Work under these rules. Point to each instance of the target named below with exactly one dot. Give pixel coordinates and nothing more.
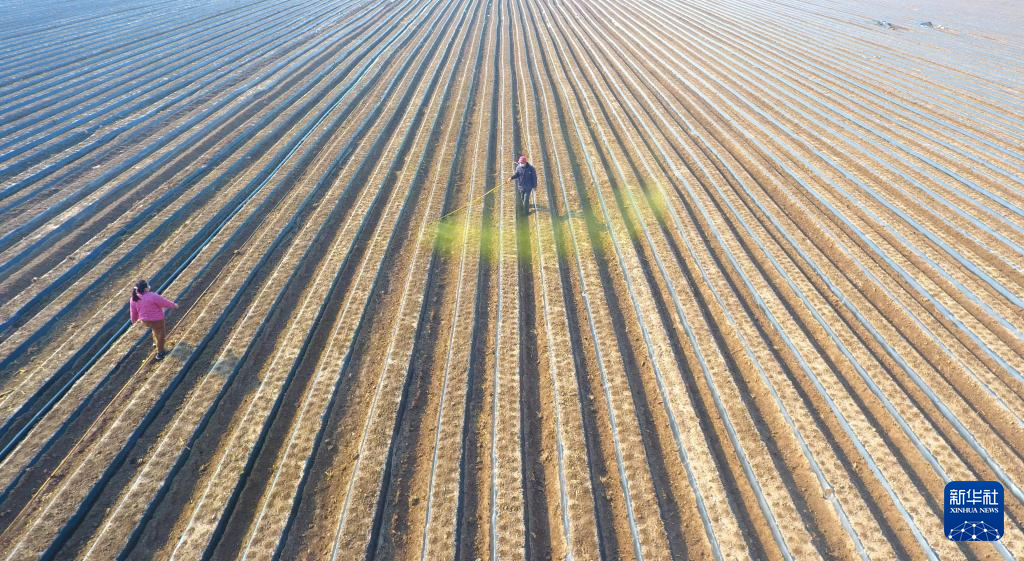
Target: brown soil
(765, 303)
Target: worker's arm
(165, 303)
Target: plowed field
(767, 300)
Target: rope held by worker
(467, 205)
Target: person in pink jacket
(149, 308)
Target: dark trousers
(524, 198)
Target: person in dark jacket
(526, 181)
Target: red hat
(522, 159)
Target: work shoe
(160, 356)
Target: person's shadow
(532, 209)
